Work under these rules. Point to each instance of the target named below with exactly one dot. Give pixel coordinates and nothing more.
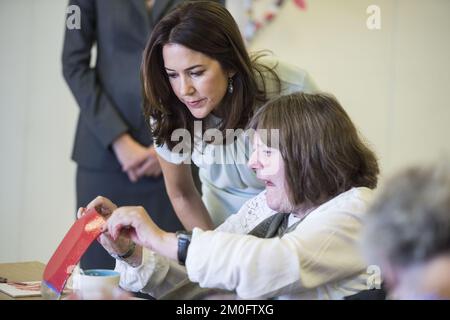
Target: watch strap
(184, 240)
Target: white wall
(37, 124)
(393, 82)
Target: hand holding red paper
(133, 223)
(105, 207)
(72, 247)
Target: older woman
(296, 239)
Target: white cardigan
(320, 259)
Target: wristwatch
(184, 240)
(127, 254)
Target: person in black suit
(113, 145)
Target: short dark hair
(206, 27)
(322, 151)
(409, 222)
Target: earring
(230, 85)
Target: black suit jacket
(109, 94)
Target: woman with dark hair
(113, 148)
(197, 75)
(297, 239)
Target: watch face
(184, 235)
(184, 239)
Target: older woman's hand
(135, 223)
(105, 207)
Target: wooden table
(21, 271)
(26, 271)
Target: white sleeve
(292, 77)
(156, 275)
(303, 259)
(295, 79)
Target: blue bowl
(101, 273)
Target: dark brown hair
(206, 27)
(322, 151)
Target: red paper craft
(75, 243)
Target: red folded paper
(69, 252)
